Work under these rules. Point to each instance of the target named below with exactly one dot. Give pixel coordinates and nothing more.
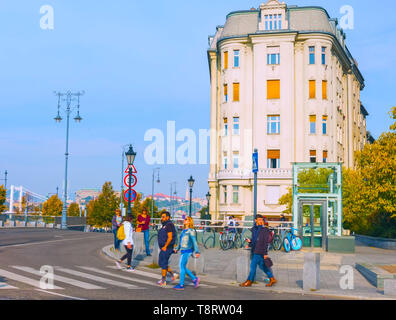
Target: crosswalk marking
(154, 276)
(70, 281)
(98, 279)
(16, 277)
(118, 275)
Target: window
(225, 127)
(324, 156)
(273, 194)
(323, 55)
(236, 91)
(273, 89)
(312, 124)
(235, 194)
(236, 126)
(225, 194)
(225, 161)
(273, 21)
(225, 59)
(273, 159)
(311, 55)
(324, 89)
(225, 92)
(236, 58)
(324, 124)
(235, 161)
(312, 89)
(312, 156)
(273, 58)
(273, 125)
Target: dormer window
(273, 21)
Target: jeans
(116, 241)
(183, 268)
(146, 234)
(128, 255)
(258, 259)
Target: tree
(3, 193)
(73, 210)
(101, 210)
(204, 213)
(53, 206)
(287, 200)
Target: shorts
(164, 256)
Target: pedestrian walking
(187, 246)
(143, 222)
(115, 224)
(260, 243)
(167, 236)
(127, 242)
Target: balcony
(243, 174)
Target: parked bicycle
(210, 242)
(229, 240)
(291, 241)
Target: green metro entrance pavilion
(317, 206)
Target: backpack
(271, 236)
(121, 233)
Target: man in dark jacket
(259, 243)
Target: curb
(329, 294)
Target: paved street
(83, 272)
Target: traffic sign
(133, 195)
(133, 182)
(133, 169)
(255, 161)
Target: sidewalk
(220, 268)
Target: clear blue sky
(141, 63)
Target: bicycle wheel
(209, 243)
(286, 245)
(277, 242)
(237, 242)
(223, 242)
(296, 243)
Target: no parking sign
(130, 193)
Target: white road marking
(115, 275)
(16, 277)
(44, 242)
(61, 295)
(70, 281)
(98, 279)
(156, 276)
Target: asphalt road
(85, 273)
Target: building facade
(282, 81)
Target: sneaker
(178, 287)
(148, 255)
(162, 283)
(196, 282)
(130, 269)
(118, 265)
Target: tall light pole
(255, 170)
(191, 184)
(152, 190)
(68, 97)
(5, 179)
(130, 155)
(208, 195)
(122, 176)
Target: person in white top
(127, 243)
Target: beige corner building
(282, 81)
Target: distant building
(83, 196)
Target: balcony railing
(247, 174)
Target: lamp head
(130, 155)
(191, 182)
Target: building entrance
(313, 223)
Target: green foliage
(53, 206)
(287, 199)
(73, 210)
(204, 213)
(101, 210)
(3, 193)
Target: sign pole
(255, 170)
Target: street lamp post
(152, 190)
(130, 155)
(69, 98)
(191, 184)
(122, 177)
(208, 195)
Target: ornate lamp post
(130, 155)
(152, 190)
(69, 98)
(191, 184)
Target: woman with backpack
(187, 245)
(125, 233)
(115, 224)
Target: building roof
(363, 111)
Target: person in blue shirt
(187, 245)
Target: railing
(247, 174)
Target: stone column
(311, 272)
